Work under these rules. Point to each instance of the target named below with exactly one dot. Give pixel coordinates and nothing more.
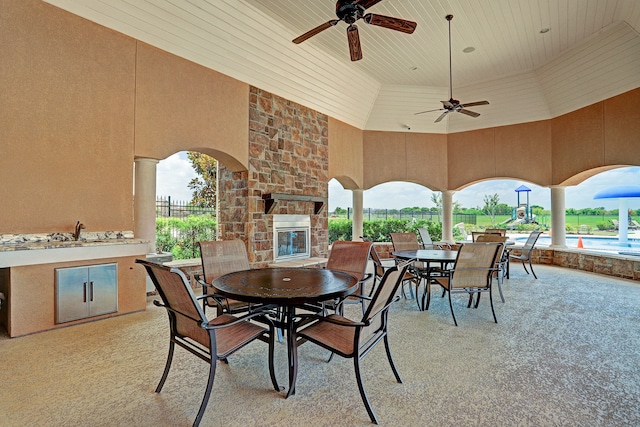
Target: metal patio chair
(354, 339)
(209, 340)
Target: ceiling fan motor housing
(348, 11)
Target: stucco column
(558, 218)
(356, 227)
(144, 201)
(447, 216)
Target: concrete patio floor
(565, 352)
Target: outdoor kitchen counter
(28, 271)
(46, 252)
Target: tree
(436, 199)
(338, 211)
(205, 185)
(490, 206)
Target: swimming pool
(603, 244)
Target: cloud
(173, 175)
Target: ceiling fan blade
(469, 113)
(428, 111)
(390, 22)
(441, 116)
(473, 104)
(367, 3)
(315, 31)
(354, 42)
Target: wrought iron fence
(370, 214)
(166, 207)
(180, 226)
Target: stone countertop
(25, 246)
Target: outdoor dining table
(428, 256)
(287, 288)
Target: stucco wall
(184, 106)
(344, 151)
(565, 150)
(66, 121)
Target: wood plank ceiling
(591, 52)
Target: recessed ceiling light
(468, 49)
(545, 30)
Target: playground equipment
(522, 214)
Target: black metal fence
(165, 207)
(386, 214)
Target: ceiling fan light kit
(350, 11)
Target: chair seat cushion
(337, 337)
(443, 281)
(235, 336)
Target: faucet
(78, 230)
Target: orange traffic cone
(580, 245)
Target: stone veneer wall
(288, 153)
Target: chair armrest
(200, 279)
(383, 309)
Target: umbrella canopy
(618, 192)
(622, 192)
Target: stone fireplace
(288, 157)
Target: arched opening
(185, 205)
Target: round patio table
(287, 288)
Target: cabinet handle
(84, 296)
(91, 290)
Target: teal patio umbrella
(621, 193)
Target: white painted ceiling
(592, 52)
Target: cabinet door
(72, 294)
(103, 289)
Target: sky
(174, 173)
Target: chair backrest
(485, 238)
(531, 241)
(350, 257)
(475, 234)
(475, 265)
(427, 243)
(384, 295)
(375, 257)
(221, 257)
(404, 242)
(500, 231)
(185, 314)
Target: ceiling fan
(453, 105)
(350, 11)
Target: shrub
(378, 231)
(180, 236)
